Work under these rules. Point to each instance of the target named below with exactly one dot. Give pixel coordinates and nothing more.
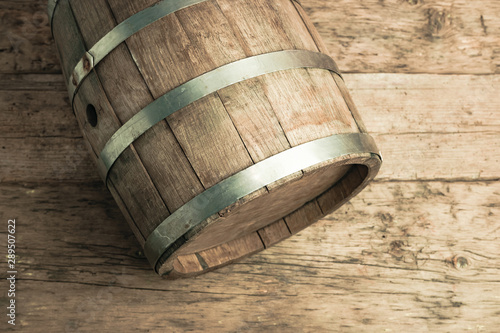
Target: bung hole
(91, 115)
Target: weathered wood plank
(427, 126)
(370, 36)
(388, 103)
(406, 157)
(36, 113)
(410, 36)
(26, 43)
(419, 121)
(394, 103)
(439, 156)
(383, 213)
(38, 82)
(38, 159)
(463, 103)
(415, 256)
(304, 309)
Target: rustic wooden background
(417, 251)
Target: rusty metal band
(202, 86)
(245, 182)
(118, 35)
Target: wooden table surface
(417, 251)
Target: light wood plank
(270, 307)
(410, 115)
(406, 157)
(393, 103)
(453, 156)
(372, 36)
(388, 103)
(410, 36)
(387, 260)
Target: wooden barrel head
(221, 240)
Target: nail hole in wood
(460, 262)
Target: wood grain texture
(434, 36)
(387, 260)
(26, 44)
(410, 36)
(417, 251)
(425, 118)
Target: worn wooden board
(400, 256)
(446, 103)
(432, 36)
(417, 251)
(26, 44)
(413, 36)
(427, 126)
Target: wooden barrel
(220, 127)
